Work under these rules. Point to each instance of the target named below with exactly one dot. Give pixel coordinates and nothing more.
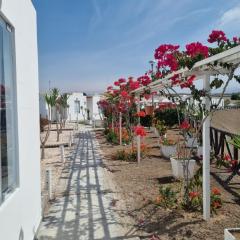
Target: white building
(20, 191)
(43, 108)
(92, 106)
(77, 109)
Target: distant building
(92, 106)
(77, 107)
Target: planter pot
(190, 143)
(231, 233)
(168, 151)
(178, 167)
(149, 110)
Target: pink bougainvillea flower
(216, 191)
(124, 94)
(141, 114)
(134, 85)
(109, 88)
(140, 131)
(158, 75)
(175, 79)
(144, 80)
(235, 39)
(121, 80)
(168, 61)
(185, 125)
(116, 83)
(189, 82)
(165, 49)
(196, 48)
(217, 36)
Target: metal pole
(120, 128)
(206, 152)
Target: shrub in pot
(168, 147)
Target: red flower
(227, 158)
(196, 48)
(165, 49)
(147, 96)
(121, 80)
(144, 80)
(109, 88)
(124, 94)
(168, 61)
(216, 204)
(141, 114)
(188, 83)
(116, 83)
(134, 85)
(193, 194)
(216, 191)
(139, 131)
(185, 125)
(175, 79)
(217, 36)
(235, 39)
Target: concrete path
(82, 209)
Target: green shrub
(168, 116)
(112, 137)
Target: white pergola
(203, 71)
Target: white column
(206, 152)
(120, 128)
(138, 137)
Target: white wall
(21, 212)
(43, 109)
(93, 106)
(72, 115)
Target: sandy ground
(53, 161)
(136, 187)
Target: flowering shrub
(141, 114)
(140, 131)
(167, 197)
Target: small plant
(161, 128)
(167, 142)
(216, 201)
(112, 137)
(167, 197)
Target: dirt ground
(53, 160)
(137, 187)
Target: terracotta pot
(149, 110)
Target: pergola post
(206, 151)
(120, 128)
(138, 137)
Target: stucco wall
(20, 214)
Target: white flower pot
(228, 233)
(168, 151)
(178, 167)
(190, 142)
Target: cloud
(232, 16)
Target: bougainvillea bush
(170, 59)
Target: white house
(77, 110)
(20, 191)
(92, 106)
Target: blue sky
(84, 45)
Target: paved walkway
(82, 209)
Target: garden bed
(138, 188)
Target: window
(8, 133)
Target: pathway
(82, 209)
